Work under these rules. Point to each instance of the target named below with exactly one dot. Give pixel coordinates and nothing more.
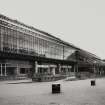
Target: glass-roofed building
(27, 52)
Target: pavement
(26, 92)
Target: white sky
(80, 22)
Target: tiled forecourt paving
(73, 93)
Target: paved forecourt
(72, 93)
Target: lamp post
(93, 82)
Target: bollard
(56, 88)
(93, 83)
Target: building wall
(17, 38)
(15, 68)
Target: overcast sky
(80, 22)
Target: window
(22, 71)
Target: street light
(93, 82)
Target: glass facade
(16, 39)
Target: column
(67, 71)
(1, 71)
(5, 70)
(101, 71)
(59, 68)
(17, 70)
(36, 68)
(74, 68)
(1, 40)
(49, 72)
(98, 70)
(53, 71)
(94, 69)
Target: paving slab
(40, 93)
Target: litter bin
(56, 88)
(93, 83)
